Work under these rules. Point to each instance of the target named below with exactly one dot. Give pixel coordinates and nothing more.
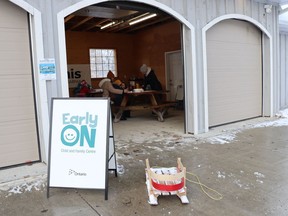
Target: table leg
(156, 111)
(164, 111)
(118, 116)
(159, 115)
(121, 110)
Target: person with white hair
(151, 81)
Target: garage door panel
(238, 106)
(11, 143)
(9, 37)
(19, 114)
(242, 31)
(233, 47)
(23, 126)
(234, 72)
(14, 51)
(17, 92)
(16, 157)
(13, 57)
(8, 13)
(227, 57)
(245, 114)
(18, 80)
(18, 129)
(22, 84)
(19, 102)
(232, 80)
(19, 143)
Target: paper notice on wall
(47, 69)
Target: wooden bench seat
(160, 110)
(143, 107)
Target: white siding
(198, 13)
(283, 71)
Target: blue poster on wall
(47, 69)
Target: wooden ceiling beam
(69, 17)
(81, 22)
(97, 24)
(144, 25)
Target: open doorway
(107, 26)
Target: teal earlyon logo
(78, 129)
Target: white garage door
(18, 132)
(234, 72)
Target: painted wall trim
(205, 84)
(24, 5)
(194, 86)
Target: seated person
(118, 84)
(111, 76)
(108, 90)
(82, 89)
(107, 87)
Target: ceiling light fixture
(107, 25)
(142, 19)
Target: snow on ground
(281, 121)
(223, 138)
(24, 185)
(226, 136)
(219, 135)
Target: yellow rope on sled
(204, 186)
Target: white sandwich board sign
(79, 138)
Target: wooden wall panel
(132, 50)
(78, 44)
(152, 44)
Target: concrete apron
(245, 164)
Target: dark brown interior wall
(79, 43)
(151, 45)
(147, 47)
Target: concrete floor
(247, 165)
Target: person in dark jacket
(151, 81)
